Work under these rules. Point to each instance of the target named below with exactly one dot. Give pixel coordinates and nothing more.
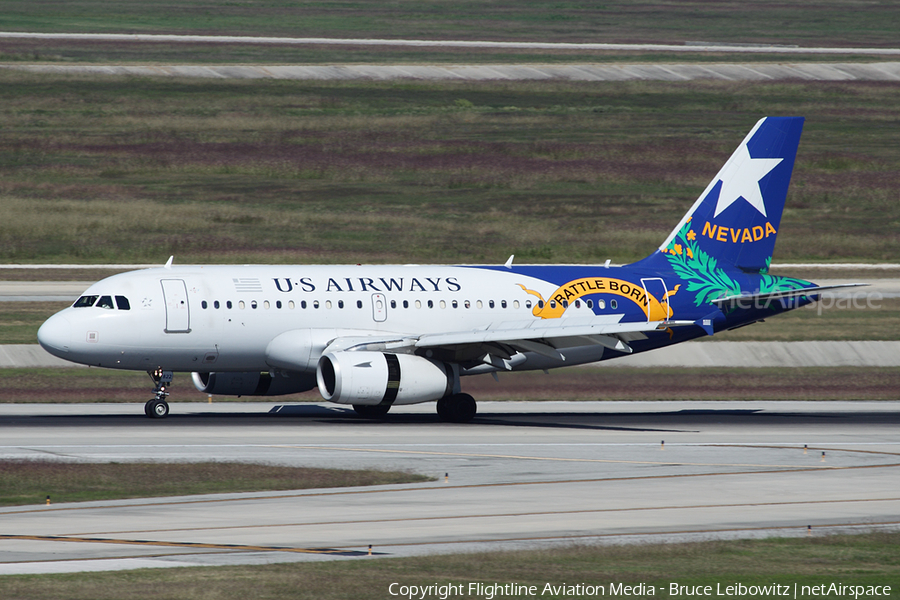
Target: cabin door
(178, 314)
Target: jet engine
(370, 378)
(253, 383)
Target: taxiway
(519, 476)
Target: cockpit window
(85, 301)
(122, 303)
(105, 302)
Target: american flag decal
(247, 284)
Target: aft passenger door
(178, 314)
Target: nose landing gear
(157, 407)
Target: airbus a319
(378, 336)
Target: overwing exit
(384, 335)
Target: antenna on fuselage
(508, 263)
(168, 264)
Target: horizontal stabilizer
(758, 298)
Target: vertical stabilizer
(736, 219)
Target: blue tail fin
(736, 218)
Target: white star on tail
(740, 179)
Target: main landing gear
(157, 407)
(457, 408)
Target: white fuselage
(223, 318)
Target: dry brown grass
(31, 481)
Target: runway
(521, 475)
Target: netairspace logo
(492, 591)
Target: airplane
(378, 336)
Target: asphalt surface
(880, 71)
(522, 475)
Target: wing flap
(538, 331)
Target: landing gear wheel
(371, 412)
(457, 408)
(156, 409)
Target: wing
(497, 344)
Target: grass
(869, 559)
(133, 170)
(579, 383)
(830, 23)
(31, 481)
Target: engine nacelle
(368, 378)
(253, 383)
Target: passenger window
(85, 301)
(491, 303)
(291, 304)
(266, 304)
(528, 304)
(431, 304)
(590, 304)
(105, 302)
(393, 304)
(613, 304)
(122, 303)
(503, 304)
(303, 304)
(216, 304)
(516, 304)
(340, 304)
(454, 304)
(418, 304)
(359, 304)
(479, 304)
(406, 304)
(601, 304)
(228, 304)
(578, 304)
(204, 305)
(443, 304)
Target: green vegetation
(19, 321)
(31, 481)
(828, 23)
(869, 559)
(109, 169)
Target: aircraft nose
(55, 335)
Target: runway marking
(549, 458)
(646, 533)
(195, 545)
(499, 515)
(431, 488)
